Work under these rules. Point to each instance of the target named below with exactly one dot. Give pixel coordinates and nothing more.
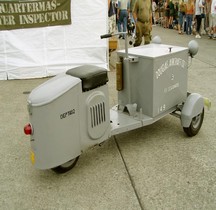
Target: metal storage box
(157, 77)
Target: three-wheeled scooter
(70, 112)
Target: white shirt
(123, 4)
(198, 9)
(154, 6)
(213, 7)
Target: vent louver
(98, 114)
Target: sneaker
(198, 36)
(214, 37)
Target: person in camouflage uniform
(142, 13)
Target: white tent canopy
(47, 51)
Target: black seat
(91, 76)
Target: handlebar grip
(106, 36)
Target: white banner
(47, 51)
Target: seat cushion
(91, 76)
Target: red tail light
(28, 129)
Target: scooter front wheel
(66, 166)
(195, 125)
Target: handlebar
(106, 36)
(116, 34)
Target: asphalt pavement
(154, 167)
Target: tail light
(28, 129)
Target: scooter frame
(125, 118)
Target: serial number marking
(170, 88)
(161, 108)
(67, 114)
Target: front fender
(193, 106)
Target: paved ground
(155, 167)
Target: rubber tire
(66, 166)
(195, 125)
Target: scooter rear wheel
(66, 166)
(195, 125)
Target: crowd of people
(193, 17)
(190, 17)
(132, 16)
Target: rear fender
(193, 106)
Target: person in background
(154, 8)
(131, 19)
(122, 16)
(208, 12)
(176, 15)
(182, 9)
(189, 16)
(166, 14)
(171, 14)
(142, 13)
(160, 5)
(208, 16)
(213, 18)
(111, 16)
(203, 16)
(198, 11)
(116, 10)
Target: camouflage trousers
(142, 29)
(112, 24)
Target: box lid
(152, 50)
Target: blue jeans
(189, 19)
(123, 16)
(181, 19)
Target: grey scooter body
(70, 112)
